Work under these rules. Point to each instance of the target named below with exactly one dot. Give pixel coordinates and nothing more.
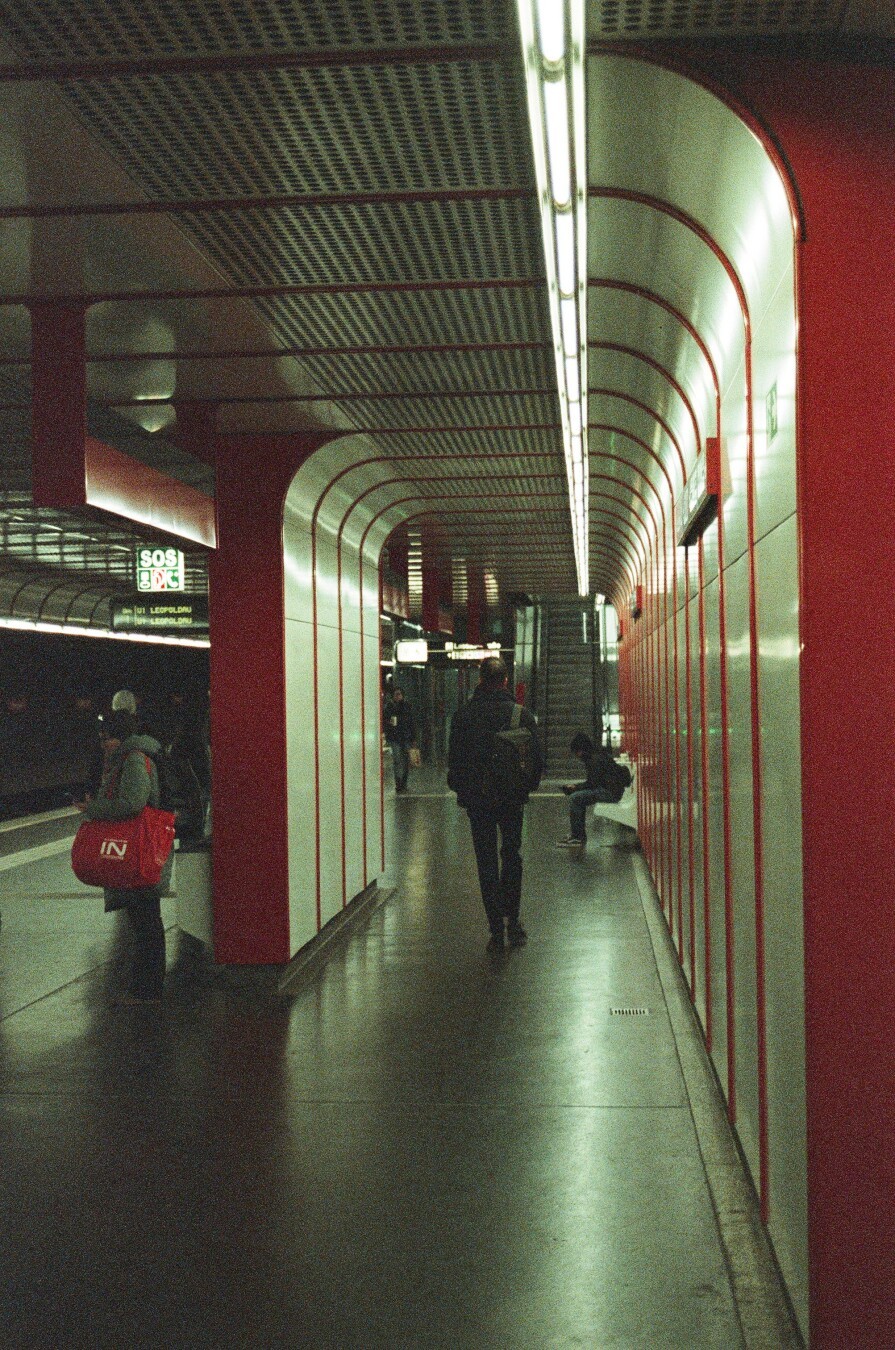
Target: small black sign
(161, 614)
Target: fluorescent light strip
(553, 47)
(72, 630)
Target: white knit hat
(124, 701)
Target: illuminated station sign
(160, 569)
(183, 614)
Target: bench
(623, 812)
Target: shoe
(495, 943)
(570, 842)
(516, 935)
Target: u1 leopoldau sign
(184, 614)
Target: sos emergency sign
(159, 569)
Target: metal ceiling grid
(436, 410)
(396, 318)
(339, 129)
(721, 18)
(301, 245)
(426, 372)
(515, 446)
(132, 27)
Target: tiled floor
(422, 1146)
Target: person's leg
(399, 763)
(511, 864)
(484, 841)
(148, 972)
(578, 804)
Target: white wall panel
(742, 860)
(734, 449)
(353, 763)
(777, 585)
(373, 746)
(775, 365)
(329, 757)
(698, 877)
(301, 788)
(718, 963)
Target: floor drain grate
(629, 1012)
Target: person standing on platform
(400, 733)
(605, 782)
(129, 783)
(494, 762)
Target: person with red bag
(131, 782)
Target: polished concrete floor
(420, 1146)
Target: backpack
(619, 778)
(510, 767)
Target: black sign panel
(161, 613)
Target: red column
(474, 606)
(248, 698)
(58, 404)
(431, 597)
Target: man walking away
(400, 733)
(494, 762)
(605, 782)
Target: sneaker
(516, 935)
(495, 943)
(570, 842)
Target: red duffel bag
(123, 855)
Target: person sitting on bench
(605, 782)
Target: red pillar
(431, 596)
(474, 606)
(58, 403)
(248, 697)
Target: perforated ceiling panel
(133, 28)
(685, 18)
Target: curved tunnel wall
(710, 668)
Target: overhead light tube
(553, 47)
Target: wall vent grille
(630, 1012)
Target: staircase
(570, 682)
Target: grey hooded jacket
(129, 784)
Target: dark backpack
(179, 789)
(619, 778)
(510, 767)
(168, 789)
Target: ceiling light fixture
(553, 49)
(76, 630)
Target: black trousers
(144, 909)
(500, 880)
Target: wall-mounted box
(702, 491)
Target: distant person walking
(130, 781)
(494, 762)
(400, 733)
(605, 782)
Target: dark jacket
(472, 741)
(398, 723)
(599, 765)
